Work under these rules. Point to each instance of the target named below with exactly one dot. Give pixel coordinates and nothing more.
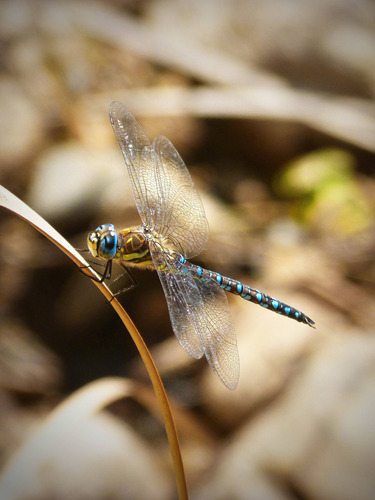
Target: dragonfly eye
(108, 245)
(103, 241)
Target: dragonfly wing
(201, 319)
(181, 219)
(137, 152)
(219, 337)
(182, 299)
(164, 193)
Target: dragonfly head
(103, 241)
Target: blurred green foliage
(327, 194)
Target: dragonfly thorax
(133, 247)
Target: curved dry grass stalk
(15, 205)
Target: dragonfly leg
(103, 276)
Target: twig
(12, 203)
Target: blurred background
(271, 106)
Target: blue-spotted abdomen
(246, 292)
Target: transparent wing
(164, 193)
(220, 343)
(201, 320)
(182, 219)
(137, 152)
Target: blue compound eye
(108, 245)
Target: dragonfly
(175, 228)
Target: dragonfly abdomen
(246, 292)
